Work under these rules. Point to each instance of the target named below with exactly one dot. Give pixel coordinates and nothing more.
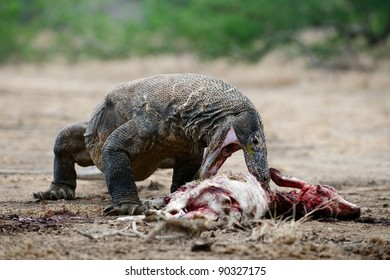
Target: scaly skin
(143, 124)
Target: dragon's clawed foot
(54, 193)
(127, 208)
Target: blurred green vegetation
(32, 30)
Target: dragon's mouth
(221, 157)
(217, 154)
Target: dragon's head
(244, 132)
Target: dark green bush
(77, 29)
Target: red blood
(214, 200)
(319, 201)
(200, 202)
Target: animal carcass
(241, 197)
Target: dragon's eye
(255, 141)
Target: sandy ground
(323, 126)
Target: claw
(61, 194)
(54, 193)
(126, 209)
(42, 196)
(37, 196)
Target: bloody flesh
(318, 201)
(243, 197)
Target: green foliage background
(243, 30)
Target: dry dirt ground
(326, 126)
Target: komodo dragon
(142, 123)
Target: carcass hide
(241, 197)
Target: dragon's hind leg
(185, 169)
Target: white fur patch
(219, 197)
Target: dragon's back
(168, 93)
(186, 102)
